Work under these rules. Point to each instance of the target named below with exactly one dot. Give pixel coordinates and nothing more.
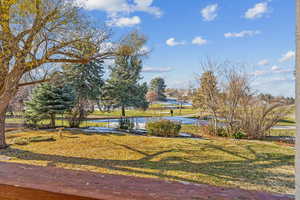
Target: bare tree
(235, 89)
(151, 96)
(256, 117)
(234, 102)
(244, 111)
(34, 33)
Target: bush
(210, 130)
(125, 124)
(163, 128)
(238, 135)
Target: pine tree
(123, 88)
(86, 80)
(49, 100)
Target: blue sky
(183, 33)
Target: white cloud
(257, 11)
(124, 21)
(172, 42)
(275, 68)
(156, 70)
(280, 79)
(121, 6)
(106, 5)
(145, 6)
(242, 34)
(199, 41)
(143, 3)
(144, 50)
(280, 71)
(209, 13)
(263, 62)
(287, 56)
(259, 72)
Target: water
(182, 120)
(140, 122)
(174, 102)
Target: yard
(254, 165)
(148, 113)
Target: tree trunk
(123, 111)
(52, 122)
(180, 107)
(8, 89)
(2, 130)
(297, 99)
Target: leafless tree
(151, 96)
(243, 110)
(234, 102)
(35, 33)
(257, 117)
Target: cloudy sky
(183, 33)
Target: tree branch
(33, 82)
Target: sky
(182, 34)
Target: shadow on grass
(287, 121)
(252, 169)
(91, 133)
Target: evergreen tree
(123, 88)
(86, 80)
(49, 100)
(158, 86)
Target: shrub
(163, 128)
(238, 135)
(210, 130)
(126, 124)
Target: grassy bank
(246, 164)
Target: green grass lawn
(141, 113)
(14, 120)
(254, 165)
(283, 132)
(60, 122)
(286, 122)
(189, 128)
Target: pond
(141, 121)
